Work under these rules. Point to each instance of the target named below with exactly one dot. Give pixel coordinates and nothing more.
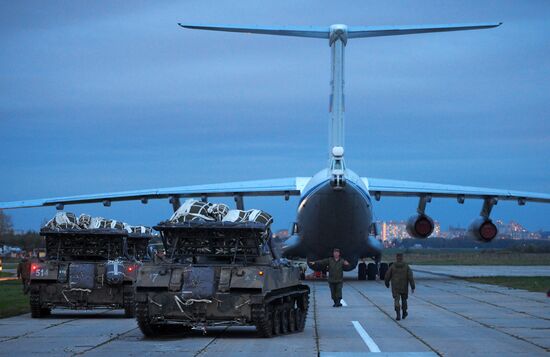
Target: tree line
(28, 240)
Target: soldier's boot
(335, 303)
(338, 303)
(397, 314)
(405, 314)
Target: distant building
(392, 230)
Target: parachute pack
(68, 220)
(193, 211)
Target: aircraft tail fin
(338, 36)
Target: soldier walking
(24, 272)
(400, 275)
(335, 265)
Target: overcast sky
(100, 98)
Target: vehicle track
(315, 328)
(424, 342)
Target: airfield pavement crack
(115, 337)
(397, 323)
(45, 328)
(315, 328)
(483, 324)
(463, 279)
(211, 342)
(488, 303)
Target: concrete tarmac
(448, 317)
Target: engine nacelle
(420, 226)
(483, 230)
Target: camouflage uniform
(335, 277)
(24, 273)
(400, 275)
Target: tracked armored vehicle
(220, 274)
(86, 269)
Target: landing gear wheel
(129, 306)
(362, 271)
(383, 270)
(371, 271)
(147, 328)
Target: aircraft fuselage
(341, 217)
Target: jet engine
(483, 229)
(420, 226)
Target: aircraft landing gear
(383, 270)
(371, 271)
(362, 271)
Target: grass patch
(5, 274)
(531, 283)
(471, 257)
(12, 300)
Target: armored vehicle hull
(219, 274)
(85, 269)
(78, 286)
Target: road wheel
(284, 320)
(129, 306)
(144, 322)
(264, 322)
(383, 270)
(36, 309)
(301, 312)
(277, 321)
(362, 271)
(371, 271)
(292, 320)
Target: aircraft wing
(276, 187)
(384, 187)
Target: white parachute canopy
(193, 210)
(68, 220)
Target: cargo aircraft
(336, 204)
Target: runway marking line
(343, 302)
(373, 347)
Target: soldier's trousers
(26, 285)
(336, 291)
(403, 298)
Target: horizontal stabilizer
(299, 31)
(375, 31)
(352, 31)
